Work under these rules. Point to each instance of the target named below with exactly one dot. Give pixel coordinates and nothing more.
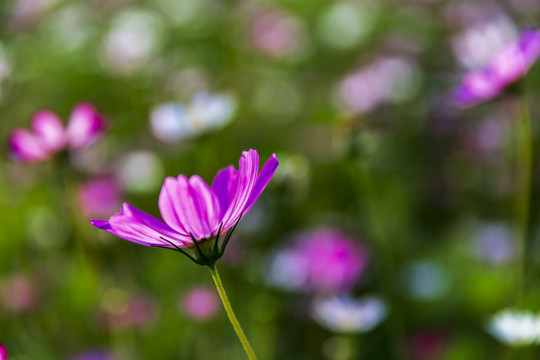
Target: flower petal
(101, 224)
(206, 203)
(26, 146)
(48, 128)
(139, 227)
(85, 124)
(247, 175)
(169, 205)
(263, 179)
(225, 186)
(184, 205)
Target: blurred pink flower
(3, 352)
(48, 136)
(507, 66)
(200, 303)
(99, 197)
(276, 33)
(18, 293)
(322, 261)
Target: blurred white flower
(345, 24)
(515, 327)
(345, 314)
(141, 172)
(172, 122)
(131, 41)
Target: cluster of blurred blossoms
(327, 264)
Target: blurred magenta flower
(48, 136)
(200, 303)
(195, 212)
(322, 261)
(99, 197)
(507, 66)
(3, 352)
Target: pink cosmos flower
(48, 136)
(3, 352)
(193, 211)
(507, 66)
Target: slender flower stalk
(366, 184)
(230, 313)
(524, 153)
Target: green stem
(370, 193)
(230, 313)
(524, 171)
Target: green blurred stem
(376, 217)
(230, 313)
(524, 145)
